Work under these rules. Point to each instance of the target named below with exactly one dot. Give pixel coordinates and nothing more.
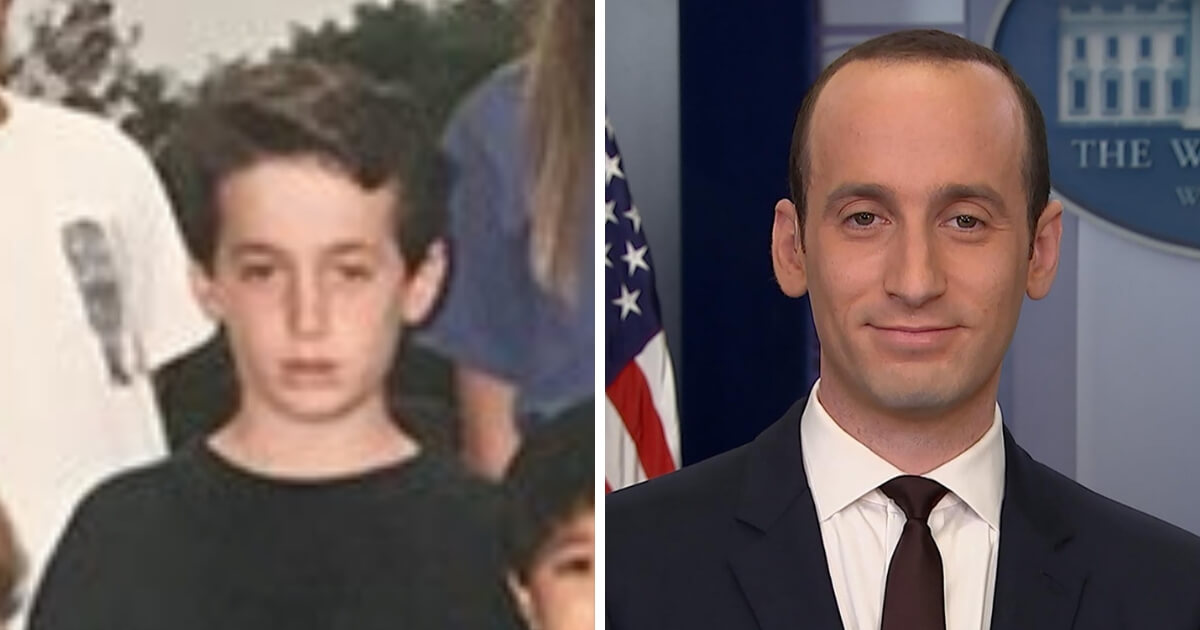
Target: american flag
(641, 421)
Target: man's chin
(907, 394)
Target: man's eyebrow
(953, 192)
(858, 189)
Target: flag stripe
(621, 464)
(630, 395)
(655, 362)
(641, 420)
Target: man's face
(559, 592)
(917, 243)
(311, 287)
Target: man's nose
(914, 273)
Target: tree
(439, 52)
(80, 57)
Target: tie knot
(915, 495)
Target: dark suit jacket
(733, 542)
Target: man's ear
(423, 285)
(1045, 251)
(206, 293)
(787, 250)
(523, 599)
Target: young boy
(309, 200)
(551, 524)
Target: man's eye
(966, 222)
(863, 219)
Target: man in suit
(892, 497)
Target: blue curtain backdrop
(750, 351)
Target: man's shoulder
(1124, 532)
(696, 498)
(710, 492)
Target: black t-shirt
(196, 542)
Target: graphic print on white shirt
(93, 263)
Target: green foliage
(439, 53)
(78, 55)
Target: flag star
(610, 211)
(628, 302)
(612, 167)
(635, 257)
(634, 217)
(607, 260)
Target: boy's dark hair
(935, 47)
(551, 479)
(11, 567)
(376, 135)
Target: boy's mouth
(308, 371)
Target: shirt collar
(841, 470)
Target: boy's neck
(278, 446)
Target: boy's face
(309, 283)
(559, 592)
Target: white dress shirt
(861, 526)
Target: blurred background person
(517, 321)
(95, 297)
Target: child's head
(10, 568)
(551, 523)
(309, 198)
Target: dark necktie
(913, 598)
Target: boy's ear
(206, 293)
(423, 285)
(524, 600)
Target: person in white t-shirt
(94, 296)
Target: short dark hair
(929, 46)
(11, 567)
(551, 479)
(376, 134)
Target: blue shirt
(495, 317)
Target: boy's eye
(574, 565)
(355, 273)
(256, 272)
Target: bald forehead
(866, 81)
(865, 90)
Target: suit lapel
(1038, 586)
(782, 570)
